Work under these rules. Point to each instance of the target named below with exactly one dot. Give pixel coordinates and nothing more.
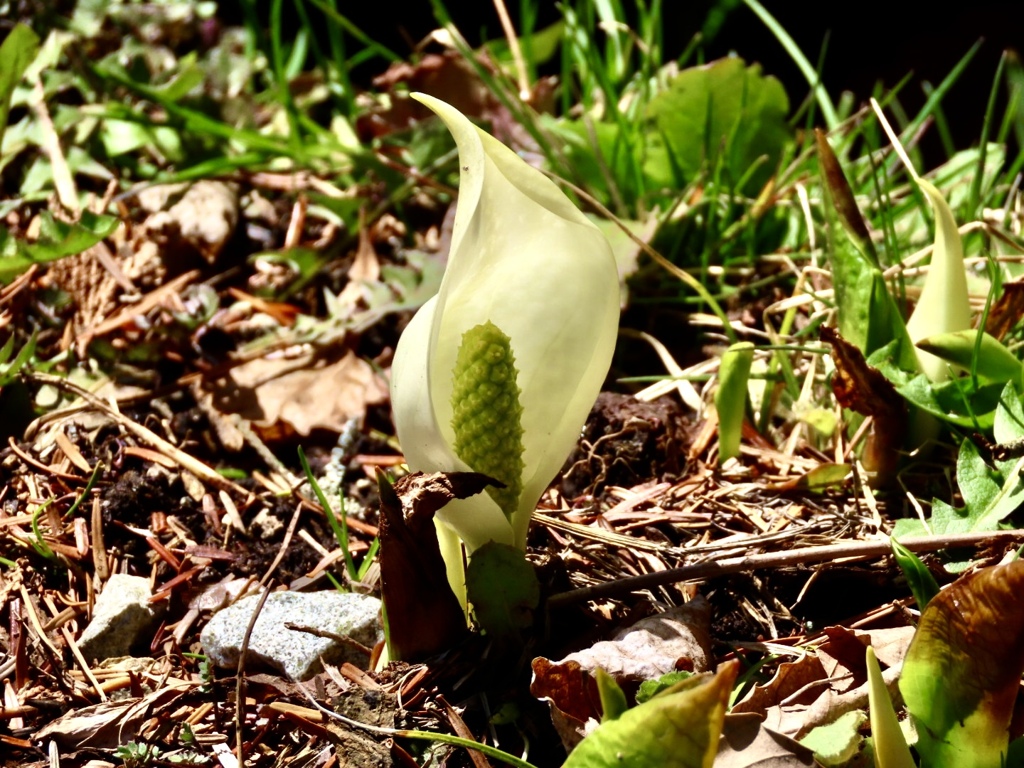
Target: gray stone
(295, 653)
(121, 615)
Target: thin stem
(514, 49)
(700, 571)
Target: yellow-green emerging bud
(486, 413)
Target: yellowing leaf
(962, 672)
(679, 728)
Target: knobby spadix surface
(530, 276)
(944, 305)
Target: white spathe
(524, 258)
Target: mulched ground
(132, 462)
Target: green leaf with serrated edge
(651, 688)
(995, 361)
(891, 750)
(990, 496)
(502, 588)
(731, 398)
(836, 744)
(613, 700)
(920, 580)
(962, 671)
(486, 412)
(17, 52)
(679, 728)
(57, 240)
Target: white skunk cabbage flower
(944, 305)
(498, 371)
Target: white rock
(295, 653)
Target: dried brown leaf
(864, 389)
(747, 743)
(105, 725)
(424, 616)
(1007, 310)
(303, 393)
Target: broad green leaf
(995, 362)
(17, 52)
(922, 584)
(891, 750)
(956, 174)
(962, 671)
(731, 398)
(502, 588)
(538, 48)
(602, 159)
(946, 401)
(57, 239)
(679, 728)
(1009, 421)
(824, 477)
(838, 742)
(723, 110)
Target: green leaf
(962, 670)
(956, 401)
(1009, 421)
(542, 45)
(19, 49)
(679, 728)
(995, 362)
(723, 110)
(989, 496)
(868, 316)
(731, 398)
(57, 239)
(651, 688)
(601, 157)
(8, 372)
(502, 588)
(922, 584)
(843, 203)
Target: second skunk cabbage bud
(944, 305)
(498, 371)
